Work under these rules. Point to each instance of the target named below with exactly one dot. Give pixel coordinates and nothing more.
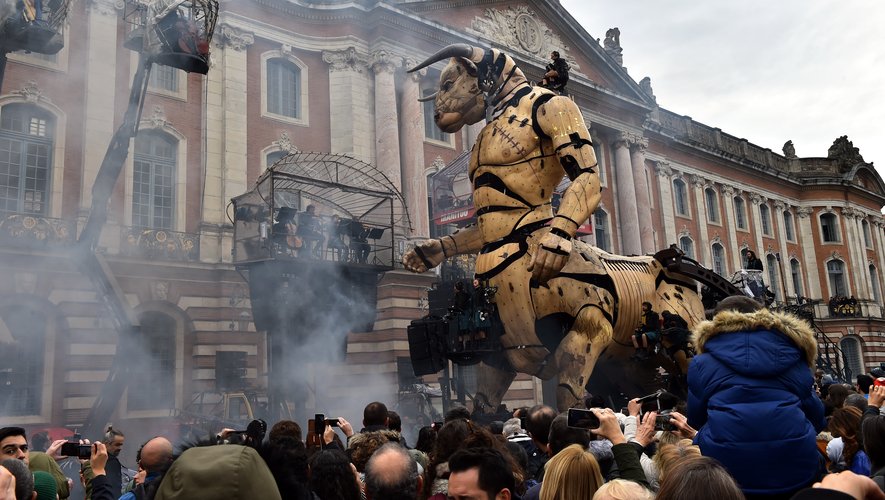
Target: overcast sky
(764, 70)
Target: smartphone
(436, 426)
(319, 423)
(76, 450)
(662, 422)
(332, 422)
(582, 419)
(522, 423)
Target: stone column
(351, 123)
(414, 173)
(643, 198)
(878, 240)
(784, 264)
(806, 236)
(728, 193)
(755, 201)
(628, 223)
(705, 255)
(387, 158)
(101, 87)
(665, 187)
(226, 140)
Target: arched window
(431, 131)
(829, 228)
(852, 355)
(274, 157)
(796, 274)
(23, 341)
(765, 216)
(283, 88)
(740, 213)
(874, 283)
(156, 369)
(600, 230)
(680, 196)
(26, 141)
(718, 259)
(687, 246)
(836, 273)
(712, 204)
(867, 236)
(788, 226)
(153, 185)
(773, 280)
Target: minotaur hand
(424, 256)
(550, 256)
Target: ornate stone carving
(663, 169)
(518, 28)
(697, 181)
(106, 7)
(623, 139)
(612, 45)
(160, 290)
(416, 76)
(158, 117)
(779, 205)
(638, 143)
(727, 191)
(436, 165)
(803, 212)
(31, 92)
(756, 199)
(383, 61)
(285, 143)
(789, 150)
(836, 255)
(233, 37)
(645, 85)
(345, 60)
(845, 154)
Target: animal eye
(447, 85)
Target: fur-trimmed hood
(795, 329)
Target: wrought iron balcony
(159, 244)
(34, 232)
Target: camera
(663, 422)
(582, 419)
(78, 450)
(320, 422)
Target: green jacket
(226, 471)
(40, 461)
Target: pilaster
(101, 77)
(756, 200)
(786, 285)
(728, 193)
(810, 258)
(665, 188)
(352, 127)
(705, 256)
(387, 152)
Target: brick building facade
(330, 77)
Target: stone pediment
(519, 29)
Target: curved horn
(455, 50)
(428, 97)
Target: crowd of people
(757, 423)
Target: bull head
(460, 99)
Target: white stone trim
(180, 216)
(56, 182)
(304, 80)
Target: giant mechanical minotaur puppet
(532, 139)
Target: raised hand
(424, 256)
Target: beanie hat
(44, 485)
(227, 471)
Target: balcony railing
(159, 244)
(34, 232)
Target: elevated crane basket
(33, 25)
(175, 33)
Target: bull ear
(468, 65)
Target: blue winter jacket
(752, 401)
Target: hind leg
(492, 382)
(577, 355)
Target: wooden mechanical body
(533, 138)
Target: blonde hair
(572, 474)
(621, 489)
(669, 455)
